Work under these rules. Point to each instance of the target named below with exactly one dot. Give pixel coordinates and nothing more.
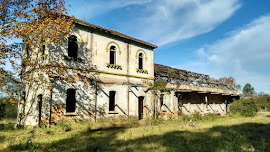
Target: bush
(262, 102)
(196, 116)
(64, 125)
(7, 109)
(244, 107)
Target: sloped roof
(112, 32)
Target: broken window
(71, 100)
(140, 61)
(112, 55)
(111, 101)
(72, 46)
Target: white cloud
(161, 21)
(244, 54)
(174, 20)
(84, 9)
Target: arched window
(112, 55)
(72, 46)
(140, 61)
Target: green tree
(248, 89)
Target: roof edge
(84, 23)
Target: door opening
(140, 107)
(39, 108)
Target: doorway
(39, 108)
(140, 107)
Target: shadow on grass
(7, 126)
(244, 137)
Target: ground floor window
(111, 101)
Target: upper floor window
(27, 50)
(140, 61)
(112, 55)
(72, 46)
(43, 49)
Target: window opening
(71, 100)
(39, 108)
(27, 51)
(140, 61)
(112, 101)
(24, 100)
(72, 46)
(161, 100)
(112, 55)
(43, 49)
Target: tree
(248, 89)
(158, 88)
(230, 83)
(28, 24)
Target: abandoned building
(99, 72)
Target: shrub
(196, 116)
(244, 107)
(133, 121)
(7, 109)
(262, 102)
(64, 125)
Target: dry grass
(217, 134)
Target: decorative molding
(112, 42)
(81, 38)
(67, 58)
(143, 52)
(88, 70)
(114, 66)
(141, 71)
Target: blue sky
(215, 37)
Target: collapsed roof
(174, 75)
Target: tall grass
(210, 133)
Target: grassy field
(210, 133)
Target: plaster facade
(97, 82)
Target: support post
(96, 102)
(128, 99)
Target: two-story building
(96, 73)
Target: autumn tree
(28, 24)
(230, 83)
